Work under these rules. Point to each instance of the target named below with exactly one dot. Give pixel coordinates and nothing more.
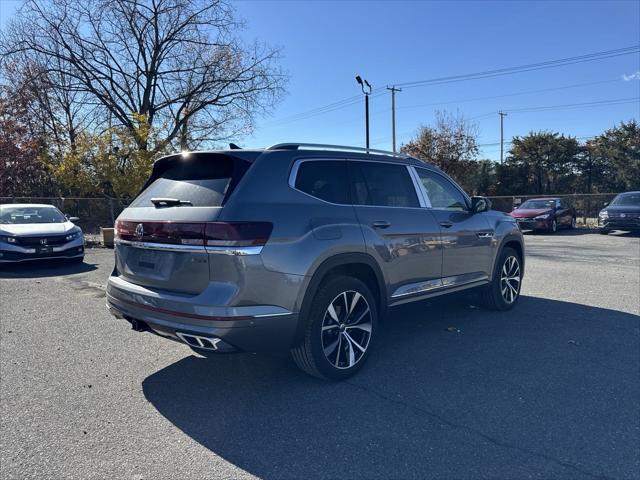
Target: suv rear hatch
(160, 237)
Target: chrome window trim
(425, 202)
(293, 174)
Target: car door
(399, 232)
(563, 213)
(467, 238)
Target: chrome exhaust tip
(197, 341)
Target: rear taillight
(236, 234)
(161, 232)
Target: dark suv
(303, 248)
(623, 213)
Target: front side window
(382, 184)
(324, 179)
(441, 192)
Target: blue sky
(325, 44)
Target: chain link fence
(93, 213)
(587, 205)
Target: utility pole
(393, 91)
(366, 89)
(502, 115)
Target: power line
(514, 94)
(353, 100)
(590, 57)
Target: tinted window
(326, 180)
(442, 193)
(382, 184)
(202, 180)
(201, 193)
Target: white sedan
(38, 231)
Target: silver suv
(302, 248)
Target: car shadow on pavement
(548, 389)
(44, 268)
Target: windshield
(27, 215)
(627, 200)
(538, 204)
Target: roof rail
(342, 148)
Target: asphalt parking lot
(548, 390)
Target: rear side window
(324, 179)
(382, 184)
(202, 181)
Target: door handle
(446, 224)
(380, 224)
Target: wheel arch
(511, 241)
(358, 265)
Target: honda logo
(623, 215)
(43, 241)
(139, 231)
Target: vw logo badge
(139, 231)
(43, 241)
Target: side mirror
(73, 219)
(606, 203)
(480, 204)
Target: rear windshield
(200, 181)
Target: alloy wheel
(346, 329)
(510, 279)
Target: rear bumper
(259, 328)
(15, 254)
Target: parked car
(302, 248)
(36, 231)
(623, 213)
(547, 214)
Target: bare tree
(451, 145)
(175, 67)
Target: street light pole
(366, 89)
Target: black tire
(310, 355)
(572, 225)
(554, 226)
(603, 231)
(492, 296)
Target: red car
(546, 214)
